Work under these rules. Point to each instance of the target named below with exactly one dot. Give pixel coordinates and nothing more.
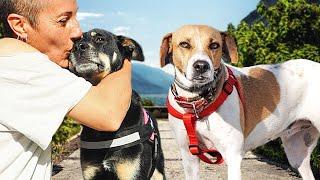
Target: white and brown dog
(260, 104)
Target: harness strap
(189, 123)
(227, 89)
(125, 138)
(111, 143)
(147, 119)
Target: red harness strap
(189, 120)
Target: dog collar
(127, 139)
(190, 118)
(196, 104)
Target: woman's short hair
(27, 8)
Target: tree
(289, 29)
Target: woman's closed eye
(63, 20)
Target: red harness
(189, 120)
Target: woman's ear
(19, 25)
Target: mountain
(150, 82)
(254, 16)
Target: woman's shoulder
(9, 46)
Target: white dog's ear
(229, 48)
(166, 50)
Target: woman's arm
(105, 105)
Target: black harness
(128, 137)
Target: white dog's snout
(201, 66)
(201, 59)
(199, 63)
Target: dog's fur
(96, 55)
(280, 100)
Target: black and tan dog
(134, 151)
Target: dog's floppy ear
(166, 50)
(229, 48)
(130, 48)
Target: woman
(36, 91)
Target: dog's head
(100, 53)
(196, 52)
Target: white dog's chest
(205, 133)
(213, 132)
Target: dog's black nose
(201, 66)
(82, 46)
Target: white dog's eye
(214, 45)
(185, 45)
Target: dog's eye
(214, 46)
(185, 45)
(100, 39)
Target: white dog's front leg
(234, 165)
(190, 162)
(190, 165)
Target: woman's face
(55, 31)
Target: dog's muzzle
(198, 86)
(85, 60)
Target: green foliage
(1, 30)
(67, 129)
(315, 160)
(147, 102)
(273, 150)
(290, 29)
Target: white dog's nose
(201, 66)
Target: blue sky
(147, 21)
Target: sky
(147, 21)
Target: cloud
(121, 30)
(85, 15)
(119, 13)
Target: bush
(147, 102)
(1, 29)
(67, 129)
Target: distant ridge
(150, 82)
(254, 16)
